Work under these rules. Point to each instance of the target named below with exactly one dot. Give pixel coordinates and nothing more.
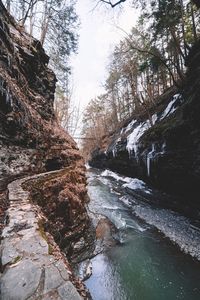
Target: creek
(142, 264)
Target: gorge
(123, 225)
(163, 148)
(32, 142)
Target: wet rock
(79, 245)
(68, 289)
(84, 269)
(52, 278)
(21, 281)
(88, 271)
(29, 269)
(8, 252)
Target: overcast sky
(98, 35)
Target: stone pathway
(29, 270)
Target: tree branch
(113, 4)
(149, 52)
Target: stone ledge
(30, 271)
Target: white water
(131, 183)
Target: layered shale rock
(32, 142)
(30, 137)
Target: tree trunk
(178, 47)
(193, 23)
(183, 27)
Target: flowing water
(143, 265)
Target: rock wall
(31, 141)
(164, 151)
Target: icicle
(11, 100)
(150, 155)
(7, 96)
(129, 152)
(163, 148)
(148, 164)
(133, 138)
(114, 152)
(9, 61)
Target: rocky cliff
(164, 149)
(31, 141)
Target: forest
(145, 64)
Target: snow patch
(130, 125)
(137, 184)
(131, 183)
(108, 173)
(114, 207)
(170, 107)
(133, 138)
(139, 130)
(126, 201)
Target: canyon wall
(31, 141)
(163, 150)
